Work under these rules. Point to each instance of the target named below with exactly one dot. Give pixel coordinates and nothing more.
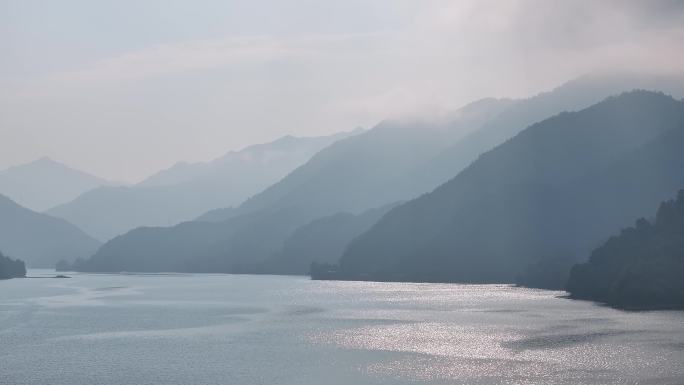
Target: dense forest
(643, 267)
(11, 268)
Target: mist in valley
(308, 192)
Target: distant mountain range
(368, 170)
(45, 183)
(572, 96)
(185, 191)
(352, 175)
(441, 235)
(550, 193)
(38, 239)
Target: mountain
(44, 183)
(385, 164)
(398, 160)
(38, 239)
(640, 268)
(551, 192)
(321, 241)
(574, 95)
(369, 170)
(185, 191)
(288, 149)
(352, 175)
(10, 268)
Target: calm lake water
(226, 329)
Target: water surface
(231, 329)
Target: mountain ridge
(506, 185)
(39, 239)
(44, 183)
(176, 195)
(347, 176)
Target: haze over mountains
(322, 241)
(45, 183)
(571, 96)
(185, 191)
(401, 160)
(371, 192)
(38, 239)
(368, 170)
(553, 191)
(351, 175)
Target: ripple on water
(257, 330)
(555, 341)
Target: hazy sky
(122, 88)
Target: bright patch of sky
(124, 88)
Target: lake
(242, 329)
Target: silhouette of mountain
(217, 215)
(385, 164)
(352, 175)
(574, 95)
(640, 268)
(396, 161)
(321, 241)
(368, 170)
(38, 239)
(10, 268)
(185, 191)
(44, 183)
(554, 190)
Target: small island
(642, 268)
(11, 268)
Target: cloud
(203, 55)
(466, 35)
(207, 95)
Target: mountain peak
(45, 183)
(46, 161)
